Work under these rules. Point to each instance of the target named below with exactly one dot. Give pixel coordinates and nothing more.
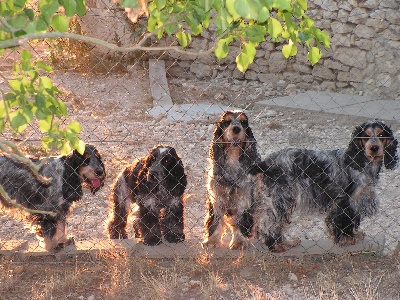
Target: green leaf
(45, 125)
(69, 7)
(41, 24)
(250, 50)
(66, 148)
(49, 7)
(184, 38)
(25, 55)
(303, 36)
(267, 3)
(18, 121)
(170, 29)
(160, 4)
(59, 23)
(274, 28)
(2, 110)
(289, 50)
(303, 4)
(222, 49)
(222, 20)
(44, 67)
(29, 13)
(129, 3)
(255, 33)
(62, 108)
(242, 62)
(45, 82)
(314, 55)
(248, 9)
(18, 21)
(282, 4)
(75, 127)
(263, 14)
(81, 7)
(230, 6)
(80, 146)
(15, 85)
(207, 4)
(2, 125)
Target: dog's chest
(234, 173)
(156, 198)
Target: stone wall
(364, 57)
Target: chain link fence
(289, 103)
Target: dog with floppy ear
(68, 174)
(156, 184)
(231, 189)
(340, 183)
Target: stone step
(189, 249)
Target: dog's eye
(244, 123)
(225, 123)
(381, 135)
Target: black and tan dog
(340, 183)
(68, 173)
(156, 183)
(231, 190)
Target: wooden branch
(14, 152)
(12, 203)
(20, 41)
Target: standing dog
(340, 183)
(231, 190)
(68, 173)
(156, 183)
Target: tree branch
(13, 152)
(19, 41)
(19, 206)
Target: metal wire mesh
(288, 103)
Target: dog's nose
(236, 129)
(374, 148)
(99, 172)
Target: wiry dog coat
(232, 192)
(156, 183)
(68, 173)
(339, 182)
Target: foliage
(32, 97)
(246, 21)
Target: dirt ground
(112, 111)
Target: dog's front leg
(172, 222)
(149, 225)
(214, 228)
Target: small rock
(292, 277)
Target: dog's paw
(152, 240)
(284, 246)
(239, 243)
(173, 237)
(117, 233)
(351, 240)
(210, 242)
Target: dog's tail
(120, 201)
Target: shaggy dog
(156, 183)
(68, 173)
(231, 190)
(340, 183)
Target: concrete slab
(364, 106)
(162, 102)
(188, 249)
(189, 112)
(158, 83)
